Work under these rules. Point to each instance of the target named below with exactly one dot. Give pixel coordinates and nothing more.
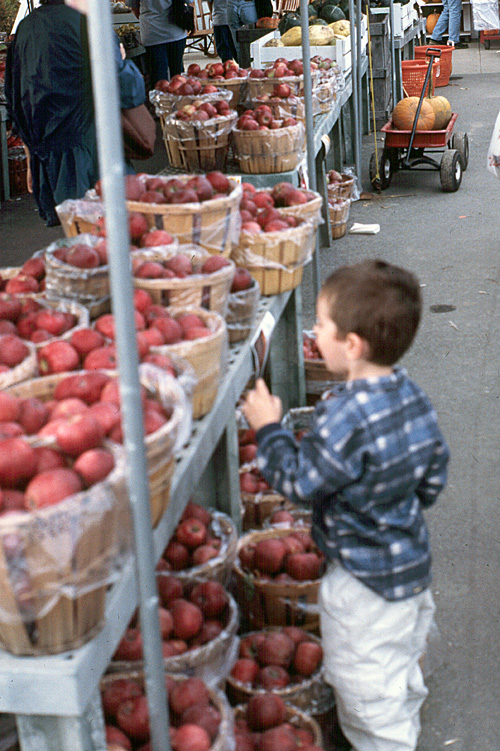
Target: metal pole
(358, 65)
(393, 55)
(354, 81)
(107, 109)
(311, 154)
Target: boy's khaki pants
(371, 652)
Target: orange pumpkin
(442, 111)
(404, 113)
(431, 21)
(267, 23)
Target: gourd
(267, 23)
(288, 21)
(404, 113)
(431, 22)
(331, 13)
(292, 37)
(442, 111)
(274, 43)
(318, 36)
(340, 28)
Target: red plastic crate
(445, 61)
(413, 74)
(424, 139)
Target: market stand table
(56, 698)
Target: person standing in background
(224, 44)
(164, 41)
(240, 13)
(48, 89)
(449, 21)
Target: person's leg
(248, 12)
(442, 25)
(224, 44)
(175, 55)
(234, 22)
(371, 649)
(455, 13)
(157, 62)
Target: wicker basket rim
(268, 133)
(203, 207)
(172, 119)
(191, 281)
(264, 534)
(292, 714)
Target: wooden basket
(24, 371)
(207, 291)
(208, 357)
(212, 224)
(308, 211)
(220, 567)
(80, 216)
(198, 146)
(281, 108)
(61, 559)
(339, 216)
(224, 741)
(268, 151)
(302, 519)
(160, 445)
(241, 312)
(307, 694)
(67, 306)
(64, 280)
(257, 507)
(270, 603)
(211, 661)
(338, 191)
(258, 86)
(295, 717)
(276, 259)
(237, 87)
(166, 104)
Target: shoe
(461, 46)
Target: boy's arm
(433, 482)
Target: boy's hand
(261, 407)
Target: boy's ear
(356, 347)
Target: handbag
(183, 15)
(139, 132)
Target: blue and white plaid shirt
(373, 458)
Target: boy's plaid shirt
(374, 457)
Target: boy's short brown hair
(379, 302)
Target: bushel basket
(295, 717)
(268, 151)
(195, 146)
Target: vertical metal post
(107, 109)
(358, 65)
(311, 154)
(393, 55)
(355, 95)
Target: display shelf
(63, 685)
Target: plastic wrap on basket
(25, 370)
(56, 564)
(210, 661)
(79, 216)
(295, 717)
(60, 304)
(166, 104)
(214, 224)
(269, 151)
(276, 259)
(196, 145)
(242, 312)
(258, 86)
(205, 290)
(207, 355)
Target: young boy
(374, 458)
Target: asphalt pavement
(450, 240)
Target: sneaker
(461, 46)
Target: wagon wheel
(460, 142)
(385, 167)
(451, 171)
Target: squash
(288, 21)
(331, 13)
(317, 22)
(404, 113)
(431, 22)
(442, 111)
(292, 37)
(340, 28)
(320, 35)
(312, 12)
(274, 43)
(267, 23)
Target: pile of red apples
(217, 71)
(29, 319)
(161, 190)
(30, 278)
(259, 209)
(262, 118)
(264, 726)
(284, 559)
(203, 111)
(194, 719)
(193, 542)
(310, 347)
(281, 68)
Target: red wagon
(405, 150)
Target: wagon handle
(431, 53)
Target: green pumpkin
(331, 13)
(312, 12)
(288, 21)
(317, 22)
(344, 6)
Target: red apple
(51, 487)
(188, 619)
